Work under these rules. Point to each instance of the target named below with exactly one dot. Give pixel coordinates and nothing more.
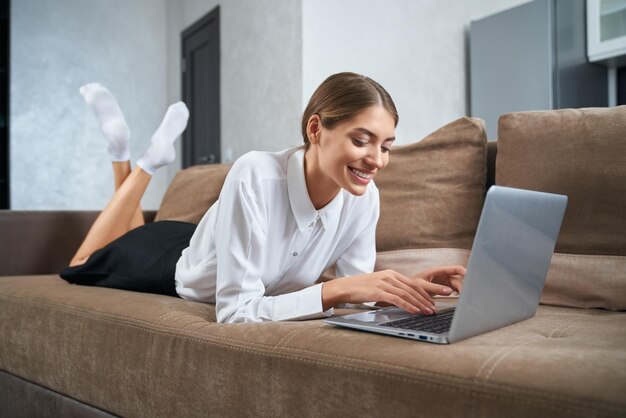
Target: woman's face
(351, 153)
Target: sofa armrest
(43, 242)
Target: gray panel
(578, 83)
(511, 62)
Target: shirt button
(295, 254)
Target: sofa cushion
(580, 153)
(192, 192)
(432, 191)
(135, 354)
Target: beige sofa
(68, 350)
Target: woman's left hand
(441, 280)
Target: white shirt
(260, 248)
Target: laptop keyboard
(437, 323)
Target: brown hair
(341, 96)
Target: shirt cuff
(303, 304)
(364, 305)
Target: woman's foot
(111, 119)
(161, 150)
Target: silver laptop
(505, 276)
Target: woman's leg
(115, 219)
(116, 133)
(121, 170)
(122, 211)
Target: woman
(281, 219)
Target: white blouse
(259, 250)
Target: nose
(375, 158)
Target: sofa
(75, 351)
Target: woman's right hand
(387, 286)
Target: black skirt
(144, 259)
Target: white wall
(261, 73)
(417, 49)
(274, 53)
(58, 156)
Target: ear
(313, 127)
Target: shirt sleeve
(241, 247)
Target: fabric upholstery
(117, 349)
(577, 152)
(432, 191)
(580, 153)
(43, 242)
(192, 193)
(586, 281)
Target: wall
(418, 50)
(58, 156)
(261, 73)
(274, 53)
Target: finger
(400, 303)
(457, 284)
(407, 297)
(445, 272)
(416, 286)
(436, 289)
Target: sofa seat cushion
(135, 354)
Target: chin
(356, 190)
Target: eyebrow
(370, 133)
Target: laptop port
(423, 337)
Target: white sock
(111, 119)
(161, 150)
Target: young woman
(281, 219)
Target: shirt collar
(301, 205)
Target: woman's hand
(386, 286)
(441, 280)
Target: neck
(321, 188)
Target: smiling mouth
(362, 174)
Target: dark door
(201, 90)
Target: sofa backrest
(580, 153)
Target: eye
(358, 142)
(386, 149)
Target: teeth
(361, 174)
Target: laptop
(506, 272)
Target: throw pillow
(192, 193)
(580, 153)
(431, 197)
